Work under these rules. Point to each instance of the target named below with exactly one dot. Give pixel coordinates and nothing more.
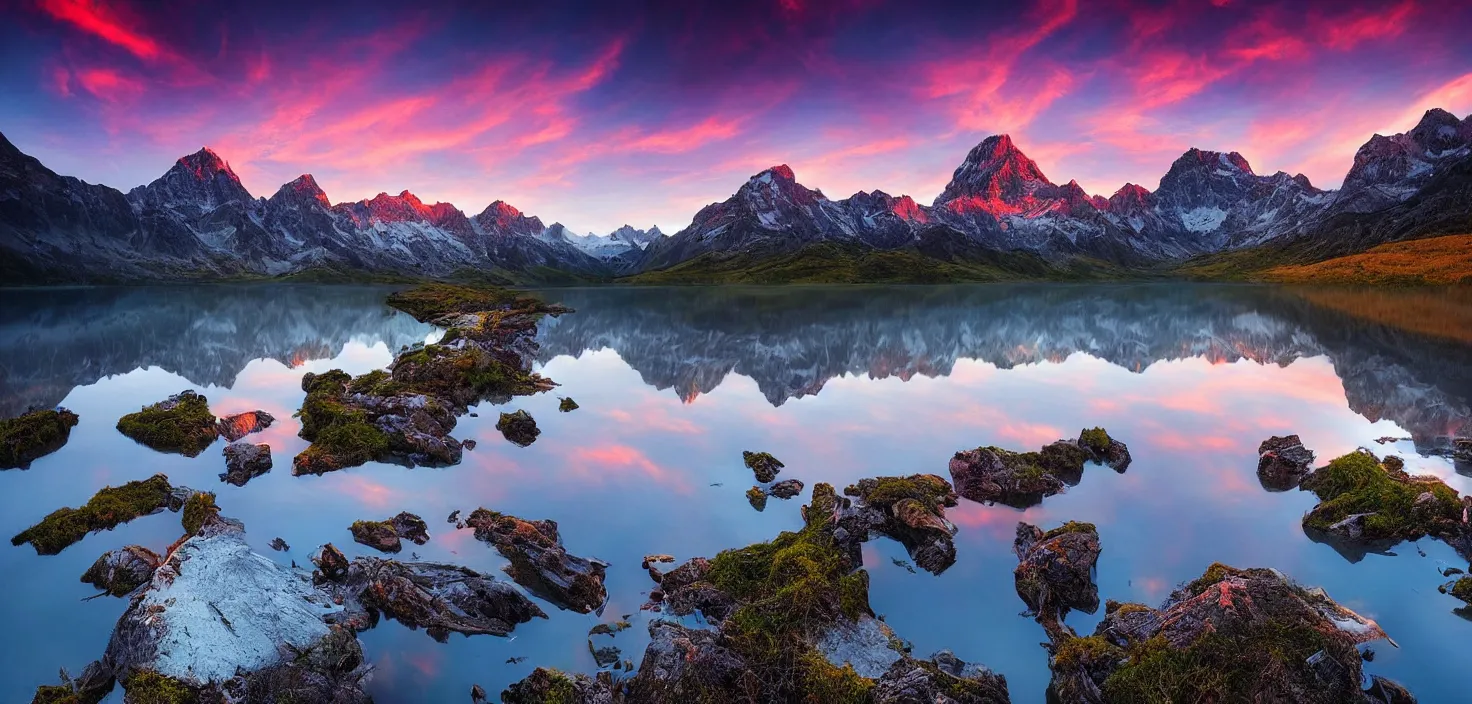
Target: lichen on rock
(1366, 503)
(29, 437)
(119, 572)
(763, 464)
(387, 535)
(519, 428)
(181, 423)
(1055, 571)
(1023, 479)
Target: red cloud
(108, 85)
(1347, 32)
(99, 20)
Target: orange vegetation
(1437, 260)
(1437, 312)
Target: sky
(599, 114)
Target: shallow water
(840, 383)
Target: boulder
(34, 435)
(785, 489)
(181, 423)
(235, 427)
(92, 686)
(519, 427)
(763, 464)
(944, 679)
(245, 461)
(1367, 504)
(757, 497)
(1023, 479)
(1282, 462)
(909, 509)
(1104, 449)
(1055, 571)
(544, 686)
(385, 536)
(567, 405)
(539, 562)
(119, 572)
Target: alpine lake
(839, 383)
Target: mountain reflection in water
(839, 383)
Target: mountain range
(198, 221)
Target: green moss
(1219, 666)
(543, 686)
(1096, 439)
(825, 682)
(153, 688)
(1216, 572)
(1123, 608)
(1462, 589)
(34, 435)
(433, 301)
(197, 508)
(187, 428)
(930, 490)
(1081, 652)
(1071, 527)
(567, 405)
(608, 629)
(1357, 483)
(757, 498)
(55, 694)
(105, 510)
(344, 445)
(375, 383)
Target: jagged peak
(1197, 158)
(1131, 190)
(205, 164)
(501, 208)
(780, 172)
(1436, 117)
(304, 185)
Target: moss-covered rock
(567, 405)
(909, 509)
(146, 687)
(1363, 501)
(431, 302)
(539, 562)
(1282, 461)
(519, 428)
(198, 508)
(763, 464)
(1023, 479)
(106, 509)
(34, 435)
(92, 686)
(1055, 570)
(757, 498)
(182, 423)
(119, 572)
(387, 535)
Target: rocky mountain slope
(199, 221)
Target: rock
(454, 516)
(351, 421)
(332, 565)
(1055, 573)
(34, 435)
(119, 572)
(1232, 635)
(1369, 505)
(94, 684)
(279, 545)
(944, 680)
(605, 656)
(567, 405)
(650, 560)
(545, 686)
(477, 694)
(994, 475)
(519, 427)
(437, 597)
(1384, 691)
(244, 462)
(866, 644)
(786, 489)
(217, 616)
(1282, 462)
(757, 498)
(909, 509)
(467, 444)
(108, 508)
(680, 662)
(182, 423)
(1104, 449)
(235, 427)
(384, 536)
(539, 562)
(763, 464)
(1462, 449)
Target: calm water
(838, 383)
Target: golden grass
(1432, 261)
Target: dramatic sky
(600, 113)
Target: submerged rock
(1368, 504)
(119, 572)
(244, 462)
(519, 427)
(1055, 573)
(182, 423)
(34, 435)
(437, 597)
(1232, 635)
(216, 617)
(235, 427)
(786, 489)
(1282, 462)
(567, 405)
(385, 536)
(1022, 479)
(106, 509)
(539, 562)
(763, 464)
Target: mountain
(199, 221)
(998, 217)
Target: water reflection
(839, 384)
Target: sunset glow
(600, 117)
